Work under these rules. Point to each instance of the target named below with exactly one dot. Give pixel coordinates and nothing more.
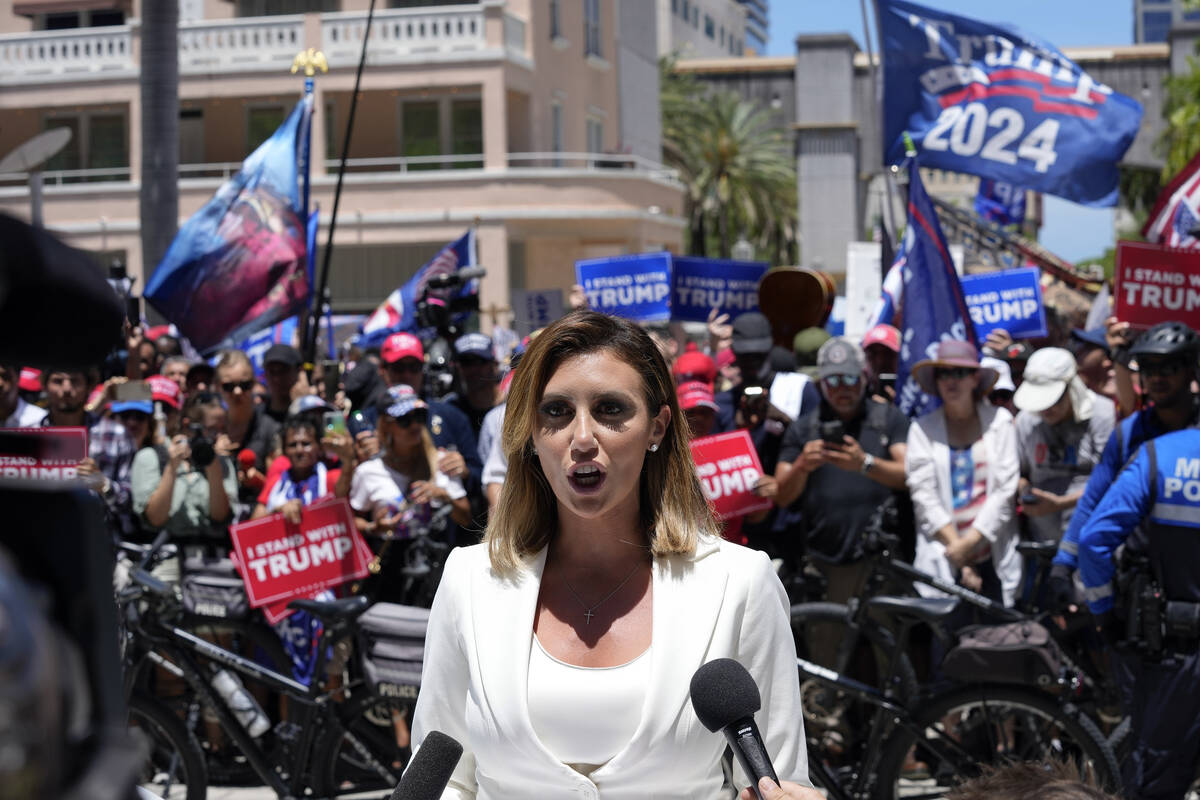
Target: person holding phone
(306, 478)
(838, 464)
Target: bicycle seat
(1043, 550)
(341, 610)
(924, 609)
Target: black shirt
(836, 504)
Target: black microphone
(725, 698)
(455, 278)
(427, 774)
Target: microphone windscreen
(723, 692)
(246, 458)
(427, 774)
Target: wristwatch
(868, 462)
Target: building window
(420, 133)
(261, 122)
(556, 131)
(191, 136)
(595, 135)
(270, 8)
(466, 131)
(687, 10)
(1155, 26)
(99, 140)
(710, 28)
(591, 27)
(555, 21)
(333, 139)
(722, 36)
(696, 17)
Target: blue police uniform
(1160, 490)
(1129, 435)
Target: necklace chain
(588, 611)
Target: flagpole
(310, 346)
(877, 88)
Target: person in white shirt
(15, 412)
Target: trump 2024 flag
(988, 100)
(239, 263)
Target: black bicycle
(950, 734)
(331, 741)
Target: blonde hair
(671, 504)
(428, 451)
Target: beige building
(536, 118)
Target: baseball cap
(751, 333)
(807, 343)
(1048, 373)
(694, 364)
(308, 402)
(840, 356)
(165, 390)
(1096, 337)
(1004, 382)
(400, 401)
(30, 380)
(885, 335)
(401, 345)
(475, 344)
(282, 354)
(695, 394)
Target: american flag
(1176, 214)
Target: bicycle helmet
(1168, 339)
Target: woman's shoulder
(738, 559)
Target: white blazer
(723, 601)
(928, 474)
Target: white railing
(58, 177)
(514, 35)
(399, 35)
(592, 161)
(65, 55)
(236, 45)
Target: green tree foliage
(1180, 139)
(737, 166)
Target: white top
(24, 415)
(585, 715)
(378, 486)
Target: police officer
(1173, 407)
(1160, 491)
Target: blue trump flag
(990, 101)
(1000, 202)
(399, 311)
(933, 306)
(239, 263)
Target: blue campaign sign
(636, 287)
(701, 284)
(1011, 300)
(988, 100)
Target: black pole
(310, 345)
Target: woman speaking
(561, 649)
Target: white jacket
(928, 475)
(723, 601)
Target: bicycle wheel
(368, 752)
(836, 724)
(174, 769)
(957, 732)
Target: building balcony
(269, 44)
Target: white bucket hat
(1048, 373)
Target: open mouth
(586, 477)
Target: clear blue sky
(1071, 231)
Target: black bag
(392, 638)
(1015, 652)
(213, 588)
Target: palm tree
(736, 163)
(159, 84)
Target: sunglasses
(245, 386)
(953, 373)
(405, 366)
(419, 417)
(838, 381)
(1162, 369)
(132, 416)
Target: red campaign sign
(728, 466)
(1155, 284)
(43, 453)
(281, 562)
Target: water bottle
(244, 706)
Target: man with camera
(838, 464)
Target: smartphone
(887, 379)
(335, 423)
(133, 310)
(329, 373)
(832, 431)
(1030, 499)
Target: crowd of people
(1028, 443)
